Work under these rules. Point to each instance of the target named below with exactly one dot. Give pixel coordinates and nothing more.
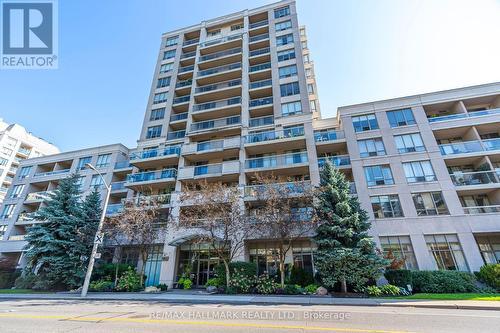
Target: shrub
(490, 274)
(399, 277)
(7, 279)
(162, 287)
(129, 281)
(213, 282)
(249, 269)
(389, 290)
(187, 283)
(26, 282)
(101, 285)
(443, 282)
(311, 288)
(266, 285)
(107, 271)
(292, 289)
(373, 291)
(300, 276)
(242, 282)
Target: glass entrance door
(206, 270)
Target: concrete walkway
(199, 297)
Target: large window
(419, 171)
(168, 54)
(3, 161)
(166, 67)
(447, 252)
(490, 248)
(409, 143)
(157, 114)
(283, 25)
(17, 190)
(7, 151)
(402, 117)
(7, 211)
(281, 12)
(310, 89)
(378, 175)
(163, 82)
(83, 161)
(286, 55)
(386, 206)
(284, 40)
(430, 203)
(103, 161)
(96, 181)
(289, 89)
(3, 229)
(288, 71)
(312, 105)
(400, 247)
(159, 98)
(371, 147)
(171, 41)
(290, 109)
(153, 132)
(364, 123)
(25, 171)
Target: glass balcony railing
(191, 41)
(180, 100)
(152, 153)
(186, 69)
(217, 86)
(178, 116)
(161, 199)
(219, 69)
(465, 115)
(474, 178)
(216, 104)
(26, 217)
(51, 173)
(118, 186)
(491, 144)
(466, 147)
(337, 161)
(176, 135)
(482, 209)
(42, 195)
(220, 54)
(260, 51)
(210, 145)
(271, 135)
(113, 209)
(258, 24)
(122, 165)
(261, 121)
(289, 188)
(221, 40)
(260, 102)
(24, 151)
(208, 169)
(331, 135)
(216, 123)
(152, 175)
(8, 179)
(260, 84)
(259, 67)
(188, 55)
(258, 37)
(274, 161)
(184, 83)
(17, 237)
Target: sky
(363, 51)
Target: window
(3, 161)
(408, 143)
(402, 117)
(309, 73)
(289, 89)
(286, 55)
(312, 105)
(25, 171)
(80, 181)
(166, 67)
(213, 33)
(82, 161)
(283, 25)
(378, 175)
(281, 12)
(7, 211)
(96, 181)
(303, 44)
(168, 54)
(371, 147)
(365, 122)
(419, 171)
(284, 40)
(306, 58)
(7, 151)
(400, 247)
(288, 71)
(159, 98)
(157, 114)
(447, 252)
(163, 82)
(385, 206)
(3, 229)
(430, 203)
(238, 26)
(103, 160)
(290, 109)
(17, 190)
(490, 248)
(153, 132)
(171, 41)
(310, 89)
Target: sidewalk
(204, 298)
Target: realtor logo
(29, 34)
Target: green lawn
(21, 291)
(455, 297)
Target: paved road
(125, 316)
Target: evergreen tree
(346, 254)
(55, 247)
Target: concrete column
(424, 259)
(167, 274)
(471, 251)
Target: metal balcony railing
(184, 83)
(217, 86)
(176, 135)
(186, 69)
(152, 175)
(221, 40)
(216, 104)
(464, 115)
(331, 135)
(180, 100)
(258, 24)
(474, 178)
(51, 173)
(113, 209)
(469, 147)
(188, 55)
(259, 67)
(161, 199)
(152, 153)
(220, 54)
(260, 84)
(337, 161)
(219, 69)
(270, 135)
(118, 186)
(26, 217)
(216, 123)
(289, 188)
(190, 41)
(178, 116)
(482, 209)
(260, 102)
(258, 37)
(261, 121)
(276, 160)
(260, 51)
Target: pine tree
(54, 249)
(346, 254)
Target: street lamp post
(98, 234)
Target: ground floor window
(153, 266)
(129, 256)
(198, 261)
(490, 248)
(401, 248)
(447, 252)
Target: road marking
(198, 323)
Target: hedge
(443, 282)
(399, 277)
(490, 274)
(247, 267)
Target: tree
(57, 249)
(215, 212)
(284, 214)
(345, 254)
(140, 225)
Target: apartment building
(17, 144)
(235, 97)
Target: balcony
(257, 38)
(328, 136)
(493, 209)
(123, 165)
(178, 117)
(118, 186)
(181, 100)
(259, 67)
(146, 200)
(219, 123)
(152, 179)
(220, 58)
(155, 157)
(176, 135)
(114, 209)
(220, 69)
(186, 69)
(261, 84)
(51, 173)
(464, 115)
(261, 121)
(259, 102)
(289, 188)
(184, 83)
(235, 38)
(190, 41)
(338, 161)
(212, 147)
(277, 161)
(213, 90)
(474, 178)
(8, 179)
(468, 147)
(258, 24)
(26, 217)
(17, 237)
(24, 151)
(188, 55)
(227, 170)
(40, 196)
(258, 52)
